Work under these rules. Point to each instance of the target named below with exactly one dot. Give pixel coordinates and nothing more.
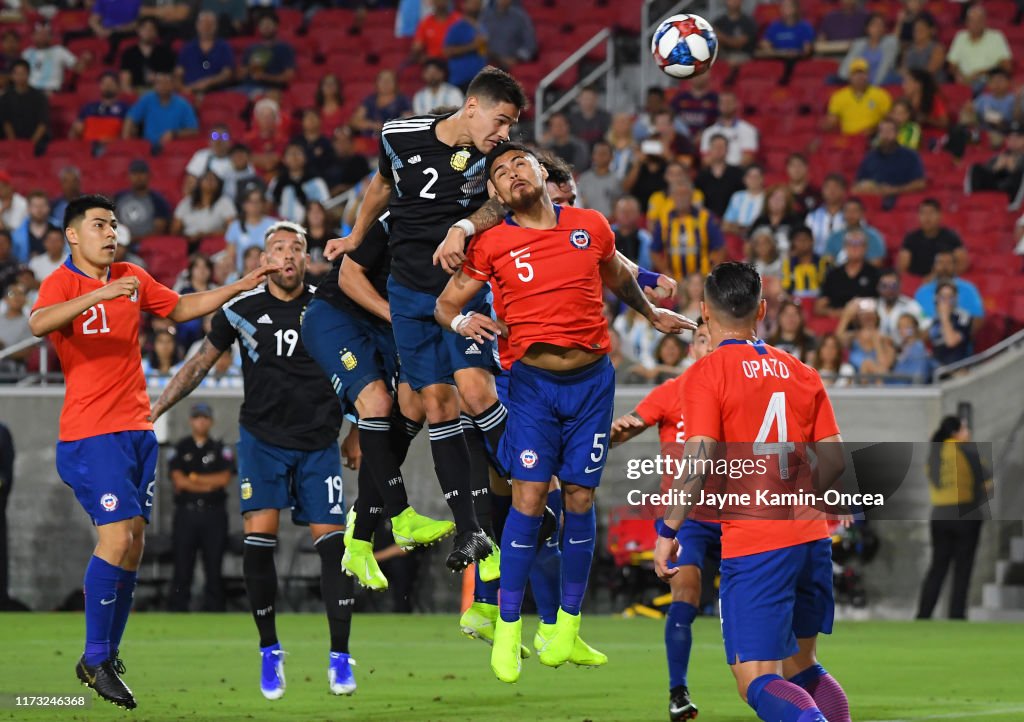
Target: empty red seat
(130, 147)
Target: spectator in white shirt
(215, 157)
(745, 205)
(892, 304)
(742, 136)
(978, 49)
(828, 217)
(52, 257)
(13, 206)
(47, 61)
(437, 91)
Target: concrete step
(981, 614)
(1017, 549)
(999, 596)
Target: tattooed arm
(452, 251)
(189, 376)
(697, 462)
(619, 277)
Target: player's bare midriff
(558, 358)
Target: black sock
(378, 454)
(492, 425)
(336, 588)
(500, 506)
(479, 473)
(403, 431)
(261, 583)
(369, 505)
(452, 463)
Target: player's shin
(403, 431)
(375, 439)
(776, 700)
(368, 506)
(491, 424)
(577, 555)
(827, 693)
(678, 641)
(451, 461)
(546, 580)
(100, 585)
(336, 588)
(488, 568)
(261, 583)
(518, 551)
(122, 608)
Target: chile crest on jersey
(579, 238)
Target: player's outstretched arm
(459, 291)
(353, 281)
(626, 427)
(452, 251)
(375, 202)
(618, 276)
(50, 318)
(189, 376)
(194, 305)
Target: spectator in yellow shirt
(858, 107)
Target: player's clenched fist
(124, 286)
(477, 326)
(336, 246)
(671, 322)
(665, 288)
(254, 278)
(452, 251)
(665, 552)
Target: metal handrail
(605, 68)
(1006, 344)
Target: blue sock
(122, 608)
(518, 550)
(776, 700)
(577, 553)
(678, 641)
(485, 592)
(546, 580)
(100, 587)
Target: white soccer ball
(685, 46)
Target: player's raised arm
(50, 318)
(352, 279)
(194, 305)
(619, 277)
(626, 427)
(460, 290)
(189, 376)
(375, 202)
(452, 251)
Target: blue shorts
(308, 482)
(113, 475)
(501, 386)
(352, 351)
(771, 599)
(558, 425)
(430, 354)
(698, 539)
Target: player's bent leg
(803, 670)
(480, 398)
(260, 574)
(761, 686)
(337, 590)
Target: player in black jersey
(431, 177)
(288, 447)
(353, 344)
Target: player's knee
(439, 403)
(374, 402)
(529, 497)
(578, 499)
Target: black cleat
(469, 547)
(547, 527)
(105, 680)
(679, 705)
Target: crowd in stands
(868, 159)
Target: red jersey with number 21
(745, 393)
(104, 387)
(549, 280)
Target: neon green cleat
(559, 646)
(413, 530)
(490, 566)
(358, 562)
(505, 659)
(478, 623)
(582, 655)
(350, 526)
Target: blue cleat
(272, 672)
(339, 673)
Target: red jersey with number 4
(549, 280)
(104, 388)
(749, 393)
(663, 406)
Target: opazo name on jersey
(288, 400)
(433, 186)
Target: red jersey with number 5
(548, 281)
(104, 388)
(749, 393)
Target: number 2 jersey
(288, 400)
(548, 280)
(104, 387)
(748, 392)
(433, 186)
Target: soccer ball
(685, 46)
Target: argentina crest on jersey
(580, 239)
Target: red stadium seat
(130, 147)
(165, 257)
(212, 245)
(12, 151)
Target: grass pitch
(411, 668)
